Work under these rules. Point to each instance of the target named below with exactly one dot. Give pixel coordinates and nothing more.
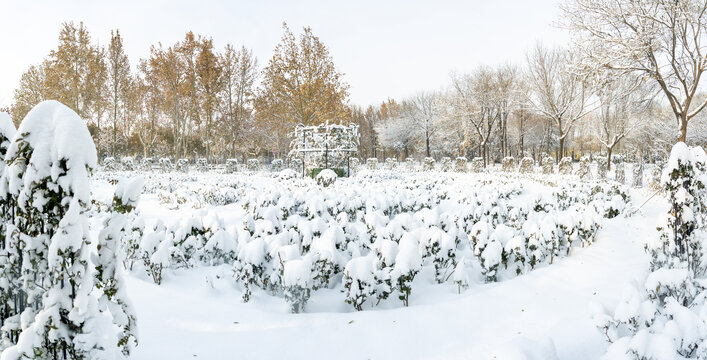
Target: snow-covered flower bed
(369, 236)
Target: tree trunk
(608, 157)
(683, 127)
(427, 143)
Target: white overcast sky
(384, 48)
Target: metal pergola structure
(304, 149)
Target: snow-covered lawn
(199, 312)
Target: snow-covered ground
(542, 314)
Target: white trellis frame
(325, 146)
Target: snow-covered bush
(601, 166)
(253, 164)
(407, 264)
(360, 280)
(583, 171)
(526, 165)
(441, 247)
(390, 163)
(620, 172)
(296, 165)
(49, 161)
(9, 257)
(445, 164)
(666, 318)
(108, 279)
(354, 163)
(508, 164)
(166, 164)
(428, 164)
(681, 234)
(461, 277)
(232, 165)
(154, 251)
(547, 165)
(410, 165)
(297, 281)
(146, 164)
(249, 267)
(477, 165)
(460, 164)
(655, 176)
(326, 177)
(109, 164)
(287, 174)
(489, 251)
(128, 163)
(183, 165)
(372, 164)
(565, 166)
(277, 165)
(202, 164)
(637, 171)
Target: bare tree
(624, 102)
(239, 72)
(118, 83)
(397, 134)
(475, 105)
(663, 40)
(506, 97)
(557, 93)
(422, 111)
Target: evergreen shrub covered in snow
(372, 164)
(477, 165)
(526, 165)
(508, 164)
(56, 313)
(565, 166)
(445, 164)
(326, 177)
(548, 164)
(665, 319)
(460, 164)
(428, 164)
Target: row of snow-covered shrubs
(128, 163)
(373, 239)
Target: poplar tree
(118, 83)
(301, 84)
